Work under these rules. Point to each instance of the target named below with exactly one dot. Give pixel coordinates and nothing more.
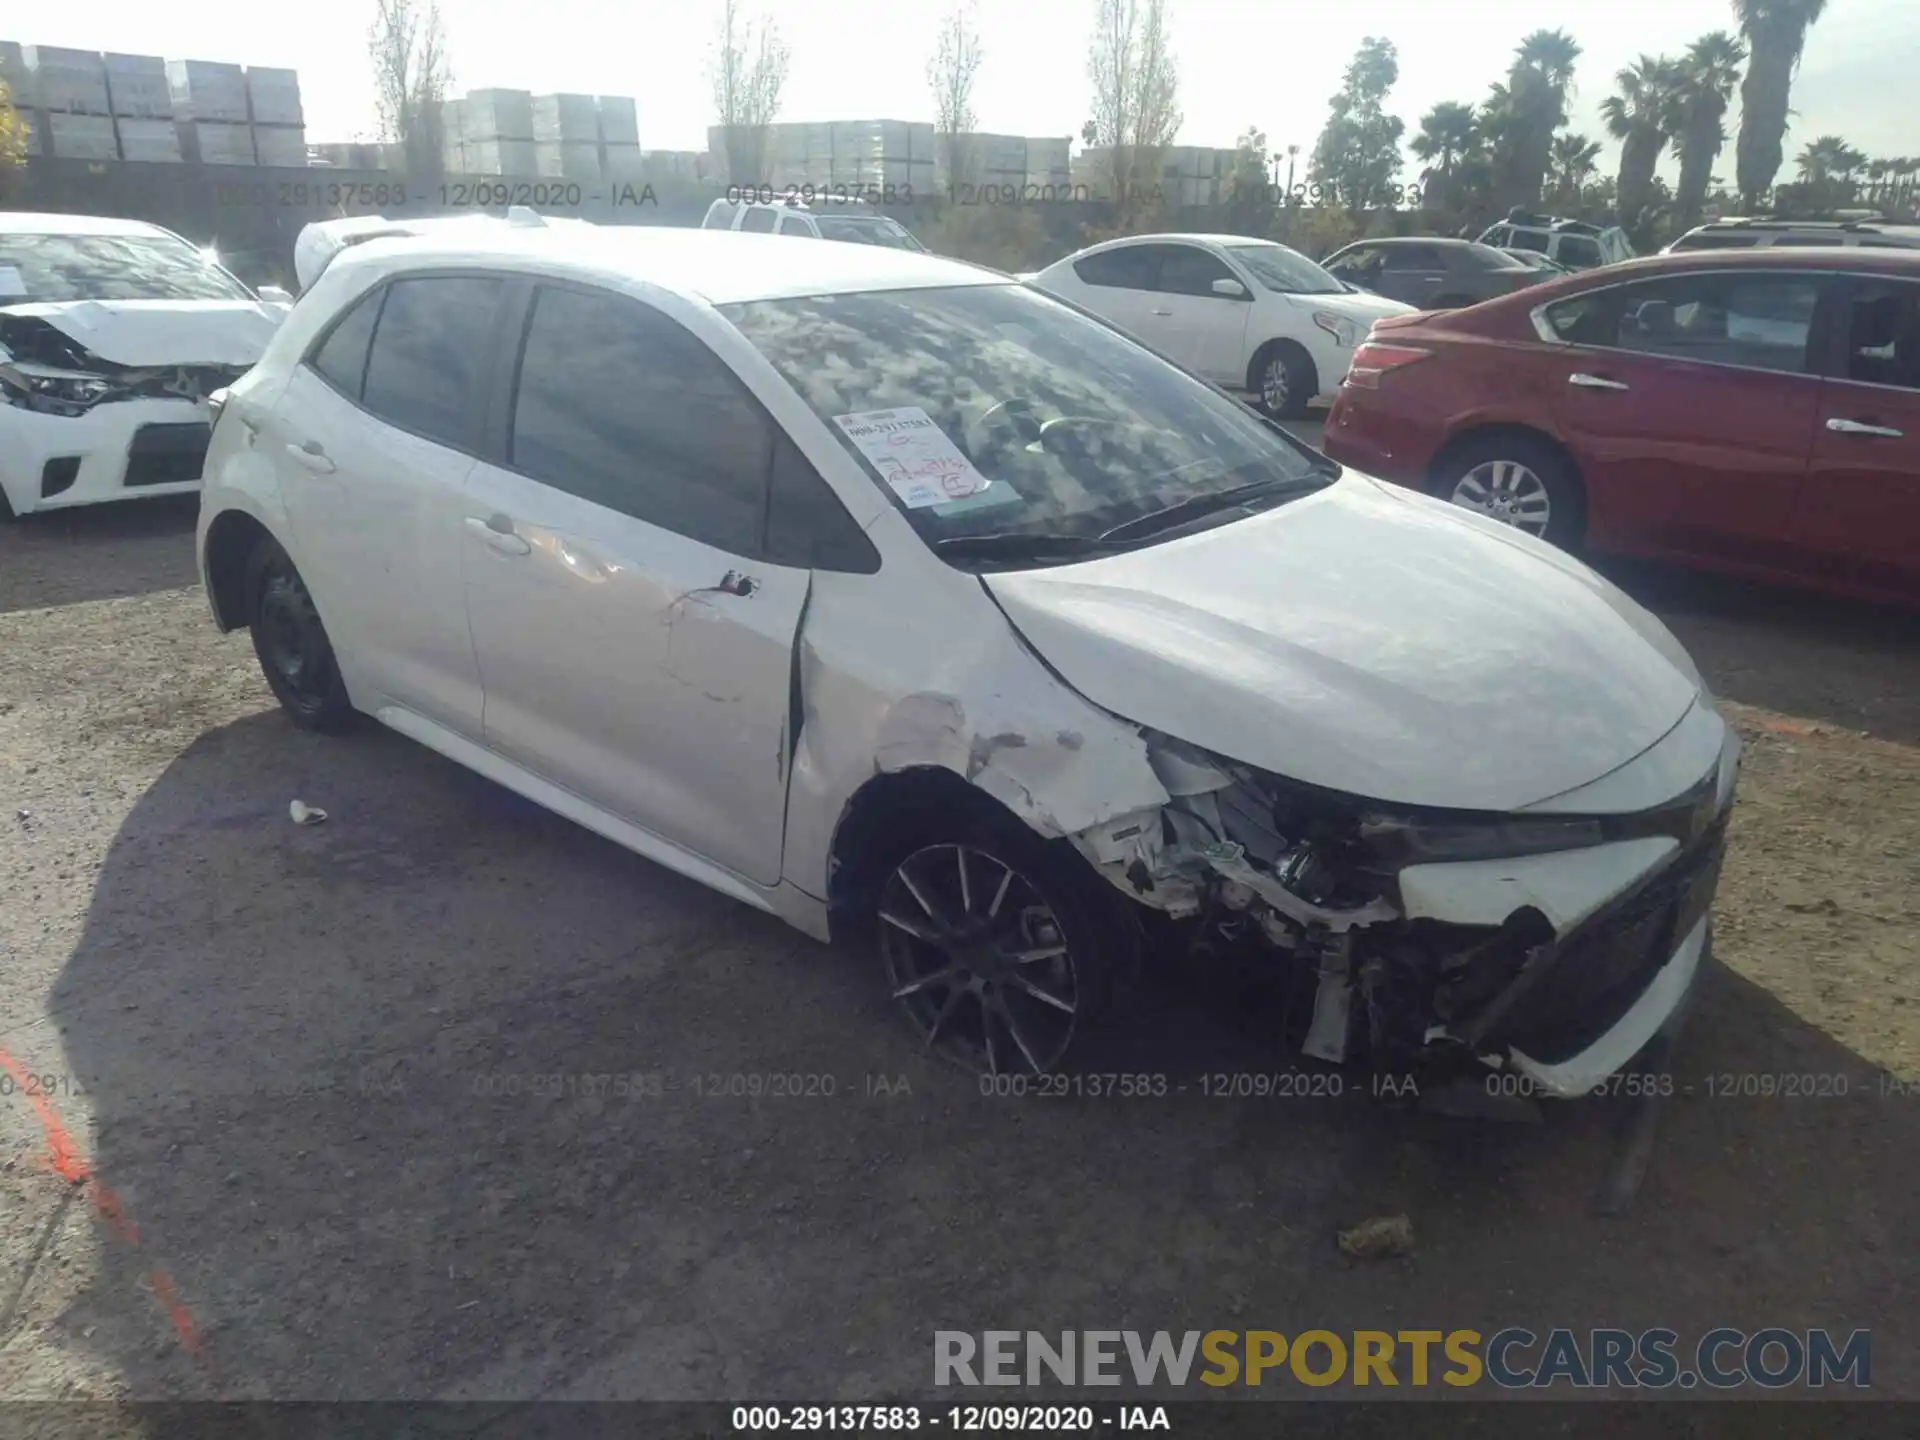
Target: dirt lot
(288, 1146)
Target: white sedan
(1246, 314)
(895, 598)
(113, 333)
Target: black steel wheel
(295, 654)
(993, 953)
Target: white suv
(888, 595)
(851, 222)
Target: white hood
(162, 332)
(1370, 640)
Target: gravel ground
(290, 1146)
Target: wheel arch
(232, 538)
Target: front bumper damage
(1560, 964)
(76, 428)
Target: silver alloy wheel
(979, 960)
(1507, 491)
(1275, 386)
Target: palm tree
(1536, 100)
(1776, 32)
(1708, 72)
(1823, 160)
(1642, 114)
(1448, 134)
(1575, 160)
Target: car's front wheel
(996, 947)
(295, 654)
(1283, 380)
(1520, 482)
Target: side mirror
(274, 295)
(1230, 288)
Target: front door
(1858, 516)
(1206, 331)
(632, 647)
(1689, 403)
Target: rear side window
(619, 405)
(1535, 240)
(342, 357)
(1414, 257)
(1578, 250)
(759, 219)
(1715, 242)
(1131, 267)
(1810, 241)
(1760, 321)
(430, 349)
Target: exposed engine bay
(45, 370)
(1271, 870)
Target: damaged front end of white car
(1435, 944)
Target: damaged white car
(113, 334)
(929, 613)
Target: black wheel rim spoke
(977, 956)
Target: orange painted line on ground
(65, 1160)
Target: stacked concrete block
(66, 82)
(279, 121)
(499, 133)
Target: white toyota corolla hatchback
(897, 599)
(1242, 312)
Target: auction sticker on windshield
(914, 456)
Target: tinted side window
(342, 356)
(429, 351)
(807, 526)
(1187, 271)
(759, 219)
(1131, 267)
(1578, 250)
(1357, 261)
(1414, 257)
(1883, 336)
(1810, 241)
(1715, 242)
(620, 406)
(1757, 320)
(1585, 319)
(1535, 240)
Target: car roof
(27, 222)
(1847, 258)
(722, 267)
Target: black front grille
(1595, 974)
(167, 454)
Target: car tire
(1000, 946)
(1282, 380)
(1527, 483)
(292, 645)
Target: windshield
(992, 409)
(1285, 271)
(109, 267)
(866, 230)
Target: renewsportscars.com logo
(1511, 1359)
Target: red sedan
(1754, 411)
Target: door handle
(497, 531)
(310, 454)
(1593, 382)
(1858, 427)
(734, 583)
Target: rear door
(1118, 286)
(373, 442)
(1412, 274)
(1858, 516)
(1689, 402)
(1205, 331)
(635, 642)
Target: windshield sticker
(11, 285)
(914, 456)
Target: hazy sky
(1239, 64)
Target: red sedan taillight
(1375, 358)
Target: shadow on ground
(97, 552)
(359, 1087)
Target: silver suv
(1735, 233)
(823, 220)
(1573, 243)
